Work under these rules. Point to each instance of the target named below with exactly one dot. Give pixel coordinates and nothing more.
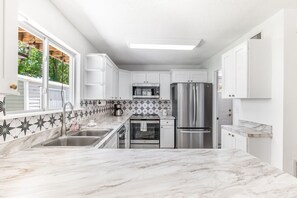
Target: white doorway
(223, 108)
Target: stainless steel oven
(145, 132)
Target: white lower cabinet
(167, 134)
(112, 142)
(258, 146)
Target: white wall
(263, 111)
(157, 67)
(290, 90)
(46, 15)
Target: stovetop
(145, 117)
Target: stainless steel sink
(99, 133)
(73, 141)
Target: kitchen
(85, 113)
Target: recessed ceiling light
(161, 46)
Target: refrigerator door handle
(195, 105)
(196, 109)
(195, 132)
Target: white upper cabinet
(153, 77)
(182, 76)
(125, 85)
(138, 77)
(108, 82)
(198, 76)
(145, 77)
(247, 70)
(115, 83)
(165, 86)
(8, 47)
(228, 73)
(101, 78)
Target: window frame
(74, 67)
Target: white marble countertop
(107, 122)
(250, 129)
(167, 117)
(62, 172)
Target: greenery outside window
(45, 71)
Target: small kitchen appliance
(118, 110)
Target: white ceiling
(109, 24)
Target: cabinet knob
(229, 95)
(233, 95)
(13, 86)
(232, 135)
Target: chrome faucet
(64, 128)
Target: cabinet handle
(13, 86)
(233, 95)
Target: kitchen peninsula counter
(85, 172)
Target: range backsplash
(144, 106)
(13, 129)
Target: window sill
(36, 113)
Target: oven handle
(148, 122)
(196, 132)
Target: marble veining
(62, 172)
(250, 129)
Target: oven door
(149, 134)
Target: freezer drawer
(193, 138)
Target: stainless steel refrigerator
(192, 108)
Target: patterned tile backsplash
(20, 127)
(13, 129)
(144, 106)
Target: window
(45, 71)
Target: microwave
(144, 91)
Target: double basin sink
(80, 138)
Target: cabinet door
(9, 47)
(138, 77)
(108, 82)
(229, 76)
(153, 77)
(165, 86)
(112, 143)
(180, 76)
(167, 137)
(2, 83)
(125, 87)
(225, 139)
(115, 83)
(240, 142)
(241, 67)
(228, 140)
(198, 76)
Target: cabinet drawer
(167, 122)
